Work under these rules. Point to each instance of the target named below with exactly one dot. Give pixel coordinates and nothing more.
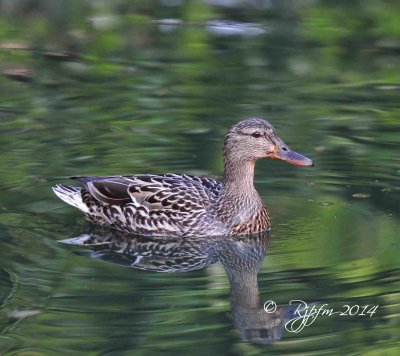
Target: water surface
(144, 88)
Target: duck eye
(256, 134)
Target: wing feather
(167, 192)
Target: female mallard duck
(183, 205)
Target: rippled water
(152, 89)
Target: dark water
(140, 87)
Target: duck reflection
(241, 256)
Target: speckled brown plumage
(183, 205)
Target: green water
(97, 88)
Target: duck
(181, 205)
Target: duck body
(179, 205)
(164, 205)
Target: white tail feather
(71, 195)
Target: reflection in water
(241, 256)
(221, 28)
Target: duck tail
(71, 195)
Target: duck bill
(288, 155)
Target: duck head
(253, 139)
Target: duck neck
(239, 177)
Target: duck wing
(175, 192)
